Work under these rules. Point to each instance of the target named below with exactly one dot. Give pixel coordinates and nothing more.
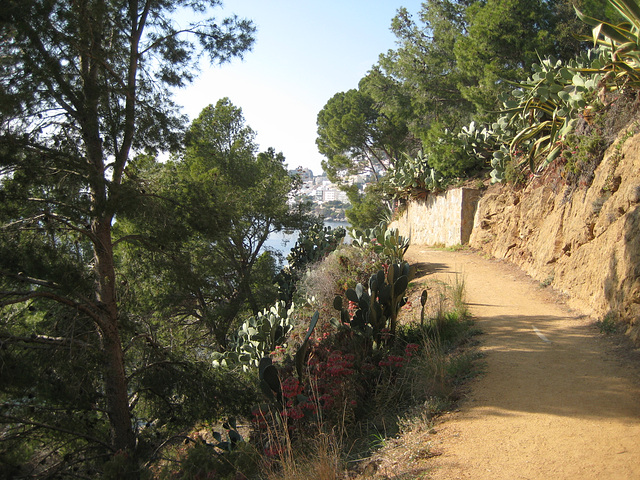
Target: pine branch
(12, 419)
(20, 297)
(43, 340)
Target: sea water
(282, 242)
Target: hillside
(581, 240)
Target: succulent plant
(269, 376)
(258, 336)
(621, 43)
(423, 302)
(387, 243)
(412, 177)
(233, 436)
(378, 304)
(544, 109)
(538, 114)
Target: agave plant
(541, 111)
(622, 41)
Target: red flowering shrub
(337, 385)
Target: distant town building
(318, 189)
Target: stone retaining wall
(441, 219)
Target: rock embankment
(584, 242)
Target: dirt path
(553, 402)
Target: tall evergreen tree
(204, 257)
(503, 39)
(83, 85)
(426, 67)
(356, 137)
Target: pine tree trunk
(122, 436)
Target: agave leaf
(555, 124)
(553, 154)
(301, 353)
(527, 134)
(605, 29)
(629, 10)
(531, 159)
(626, 48)
(312, 325)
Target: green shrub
(342, 269)
(312, 245)
(197, 459)
(608, 324)
(452, 154)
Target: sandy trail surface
(556, 399)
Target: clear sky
(306, 51)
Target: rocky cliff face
(585, 242)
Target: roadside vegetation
(362, 359)
(146, 331)
(503, 91)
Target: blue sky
(305, 52)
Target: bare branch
(130, 238)
(144, 336)
(64, 221)
(175, 33)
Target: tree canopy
(504, 39)
(223, 199)
(356, 137)
(450, 66)
(84, 86)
